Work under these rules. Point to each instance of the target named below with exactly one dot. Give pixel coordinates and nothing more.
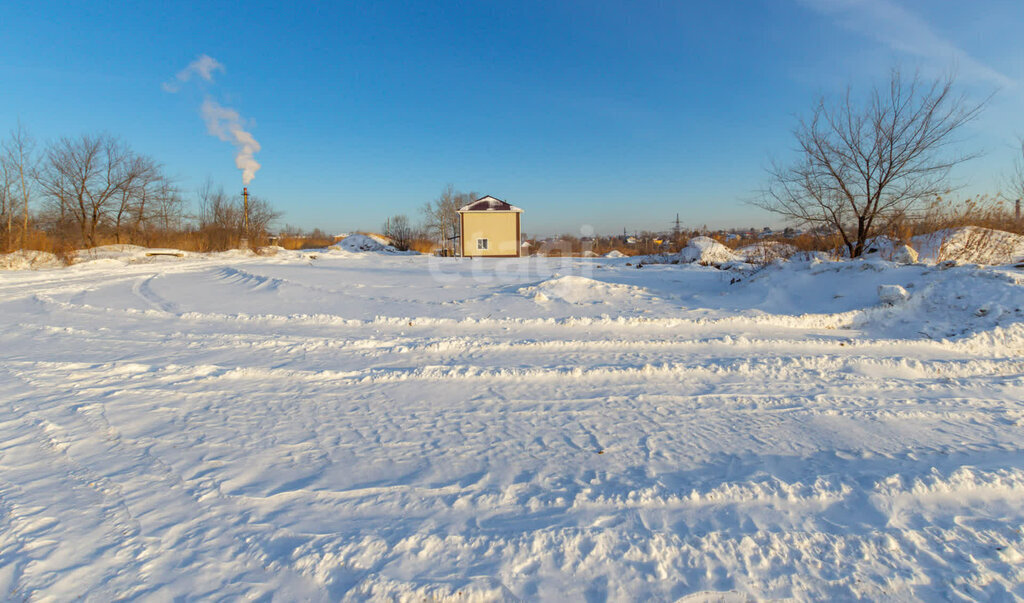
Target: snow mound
(111, 255)
(904, 254)
(955, 303)
(28, 260)
(970, 244)
(580, 290)
(891, 294)
(118, 250)
(764, 252)
(614, 253)
(963, 245)
(706, 250)
(362, 243)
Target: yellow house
(490, 228)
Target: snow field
(370, 425)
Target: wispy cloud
(203, 67)
(906, 32)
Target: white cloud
(904, 31)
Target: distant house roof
(489, 203)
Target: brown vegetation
(293, 238)
(95, 190)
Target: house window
(481, 244)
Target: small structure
(491, 228)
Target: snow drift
(581, 290)
(359, 243)
(764, 252)
(27, 260)
(964, 245)
(707, 251)
(970, 244)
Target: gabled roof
(489, 203)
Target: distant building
(489, 227)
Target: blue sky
(608, 114)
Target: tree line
(94, 189)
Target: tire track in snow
(318, 450)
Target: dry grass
(305, 242)
(423, 246)
(606, 248)
(38, 240)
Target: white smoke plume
(204, 66)
(223, 122)
(226, 124)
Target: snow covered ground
(332, 425)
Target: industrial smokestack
(244, 243)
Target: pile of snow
(964, 245)
(580, 290)
(27, 260)
(892, 294)
(882, 245)
(111, 251)
(878, 247)
(904, 254)
(765, 252)
(970, 244)
(361, 243)
(126, 254)
(614, 253)
(707, 251)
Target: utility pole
(1017, 210)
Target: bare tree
(7, 200)
(221, 217)
(19, 154)
(442, 215)
(141, 177)
(861, 167)
(400, 231)
(84, 176)
(220, 220)
(165, 207)
(261, 215)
